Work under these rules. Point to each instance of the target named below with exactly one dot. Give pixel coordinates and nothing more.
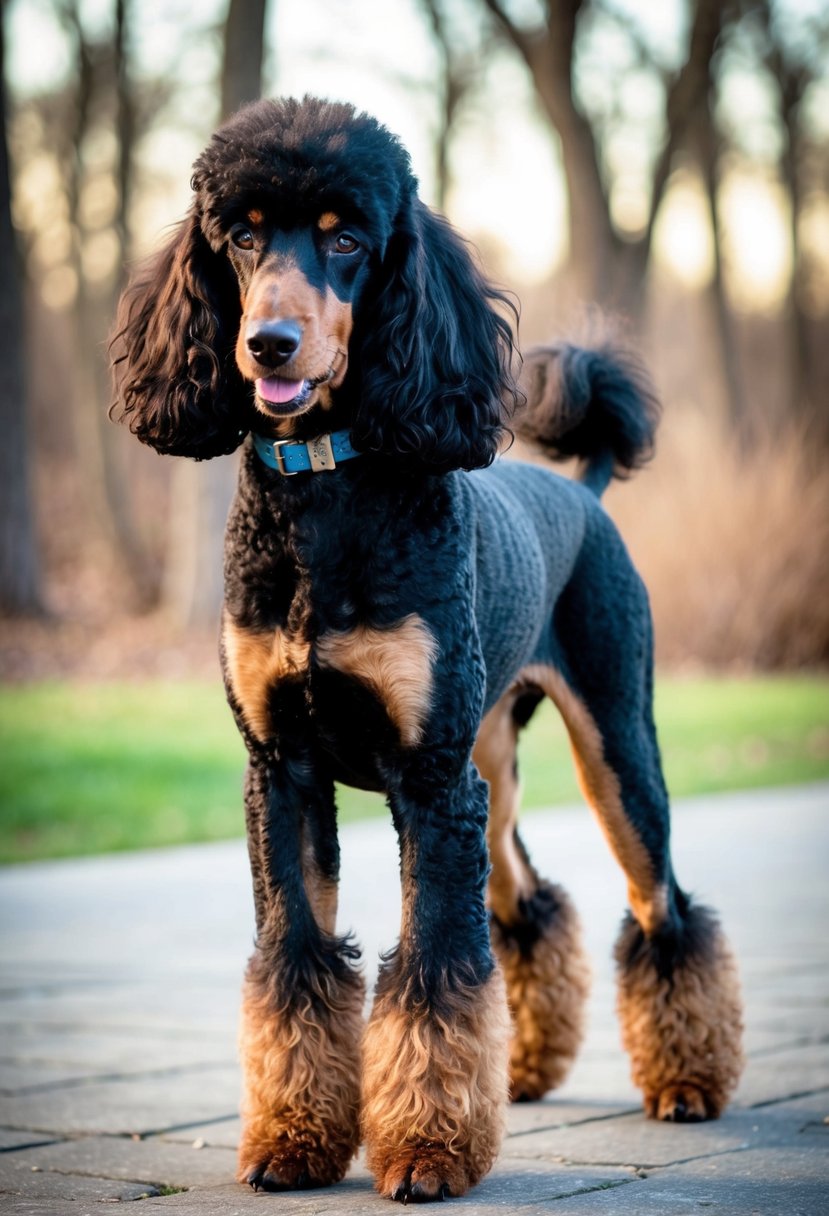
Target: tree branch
(688, 92)
(519, 38)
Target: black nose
(273, 343)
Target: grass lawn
(91, 768)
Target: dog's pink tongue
(277, 390)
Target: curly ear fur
(436, 384)
(177, 383)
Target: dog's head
(310, 288)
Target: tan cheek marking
(600, 788)
(255, 663)
(395, 663)
(328, 221)
(338, 321)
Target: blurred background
(661, 166)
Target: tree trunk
(708, 148)
(603, 267)
(244, 53)
(454, 81)
(103, 488)
(201, 493)
(20, 592)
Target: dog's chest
(343, 678)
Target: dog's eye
(242, 237)
(346, 243)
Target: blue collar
(288, 457)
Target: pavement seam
(162, 1189)
(802, 1093)
(180, 1127)
(761, 1053)
(555, 1127)
(91, 1133)
(22, 1148)
(119, 1030)
(608, 1185)
(110, 1077)
(644, 1165)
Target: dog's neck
(291, 457)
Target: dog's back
(596, 406)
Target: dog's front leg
(435, 1049)
(302, 1005)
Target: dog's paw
(291, 1165)
(423, 1172)
(681, 1102)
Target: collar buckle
(280, 466)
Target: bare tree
(605, 265)
(101, 88)
(20, 592)
(457, 74)
(800, 167)
(201, 493)
(244, 52)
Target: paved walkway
(120, 981)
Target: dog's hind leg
(534, 927)
(678, 990)
(435, 1049)
(302, 1006)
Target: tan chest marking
(257, 661)
(396, 664)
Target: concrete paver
(152, 1161)
(119, 987)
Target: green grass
(92, 768)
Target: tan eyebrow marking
(328, 221)
(255, 216)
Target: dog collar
(315, 456)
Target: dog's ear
(178, 388)
(434, 355)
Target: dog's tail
(596, 405)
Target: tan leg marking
(257, 661)
(321, 891)
(395, 663)
(301, 1069)
(600, 788)
(494, 756)
(683, 1034)
(548, 984)
(434, 1091)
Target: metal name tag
(321, 453)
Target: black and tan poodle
(392, 619)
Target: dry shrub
(733, 545)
